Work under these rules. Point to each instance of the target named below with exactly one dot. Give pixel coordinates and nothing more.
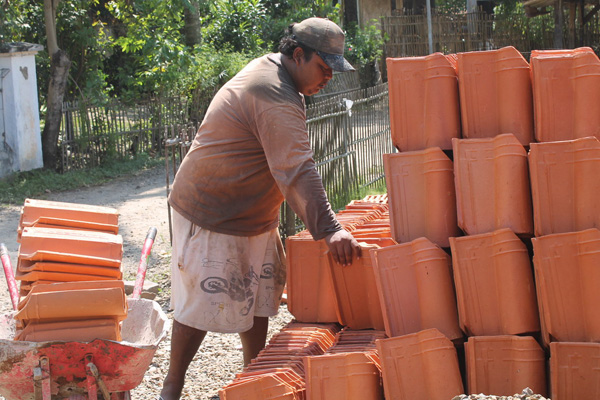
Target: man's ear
(298, 55)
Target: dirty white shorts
(219, 282)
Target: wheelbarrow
(101, 369)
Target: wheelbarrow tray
(121, 365)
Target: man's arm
(287, 149)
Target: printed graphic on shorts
(237, 286)
(274, 272)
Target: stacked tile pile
(278, 371)
(349, 368)
(69, 268)
(514, 186)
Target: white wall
(20, 138)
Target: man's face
(313, 75)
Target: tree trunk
(350, 12)
(558, 24)
(191, 28)
(59, 72)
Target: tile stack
(69, 269)
(517, 187)
(350, 369)
(565, 177)
(278, 371)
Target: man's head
(305, 39)
(321, 36)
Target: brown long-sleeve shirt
(250, 152)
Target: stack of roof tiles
(69, 268)
(278, 371)
(481, 262)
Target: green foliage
(450, 6)
(364, 46)
(538, 31)
(236, 25)
(15, 188)
(87, 44)
(509, 7)
(212, 68)
(150, 51)
(282, 13)
(21, 21)
(133, 49)
(364, 50)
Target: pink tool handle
(141, 273)
(10, 278)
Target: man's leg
(185, 342)
(253, 340)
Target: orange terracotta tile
(67, 214)
(421, 365)
(75, 331)
(492, 185)
(310, 290)
(495, 94)
(422, 197)
(356, 292)
(494, 284)
(567, 280)
(25, 266)
(424, 110)
(566, 85)
(58, 223)
(57, 276)
(71, 246)
(74, 300)
(416, 290)
(574, 372)
(565, 182)
(504, 365)
(346, 376)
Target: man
(251, 151)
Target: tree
(59, 72)
(192, 29)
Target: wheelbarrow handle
(10, 277)
(141, 273)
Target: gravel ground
(141, 202)
(527, 394)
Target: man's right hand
(343, 247)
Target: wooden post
(558, 24)
(572, 28)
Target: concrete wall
(20, 138)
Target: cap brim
(336, 62)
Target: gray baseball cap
(326, 38)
